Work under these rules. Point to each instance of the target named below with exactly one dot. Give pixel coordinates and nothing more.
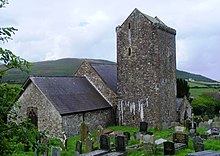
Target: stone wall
(71, 123)
(49, 118)
(146, 63)
(86, 70)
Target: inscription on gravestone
(169, 148)
(180, 138)
(143, 127)
(120, 144)
(105, 142)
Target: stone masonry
(49, 118)
(146, 67)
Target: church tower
(146, 68)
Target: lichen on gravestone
(84, 129)
(98, 133)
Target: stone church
(140, 87)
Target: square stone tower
(146, 67)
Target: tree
(182, 88)
(11, 132)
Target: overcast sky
(54, 29)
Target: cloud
(86, 29)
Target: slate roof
(70, 94)
(108, 73)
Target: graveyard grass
(210, 144)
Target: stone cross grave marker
(79, 147)
(55, 151)
(143, 127)
(84, 129)
(105, 142)
(98, 133)
(120, 144)
(169, 148)
(88, 143)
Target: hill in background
(68, 66)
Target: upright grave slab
(98, 133)
(55, 151)
(84, 129)
(169, 148)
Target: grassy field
(210, 144)
(198, 91)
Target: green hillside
(186, 75)
(68, 66)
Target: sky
(54, 29)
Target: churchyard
(121, 140)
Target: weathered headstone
(120, 144)
(179, 129)
(216, 119)
(137, 135)
(215, 125)
(79, 147)
(143, 127)
(105, 142)
(88, 143)
(84, 129)
(118, 132)
(148, 139)
(204, 125)
(180, 138)
(169, 148)
(45, 144)
(197, 139)
(127, 137)
(55, 151)
(149, 148)
(98, 133)
(165, 125)
(199, 147)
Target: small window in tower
(129, 25)
(133, 118)
(129, 51)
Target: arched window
(32, 115)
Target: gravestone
(143, 127)
(84, 129)
(204, 125)
(179, 129)
(105, 142)
(45, 144)
(180, 138)
(148, 139)
(118, 132)
(192, 126)
(216, 119)
(127, 137)
(165, 126)
(199, 147)
(137, 135)
(120, 144)
(215, 125)
(98, 133)
(196, 140)
(169, 148)
(149, 148)
(55, 151)
(79, 147)
(88, 143)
